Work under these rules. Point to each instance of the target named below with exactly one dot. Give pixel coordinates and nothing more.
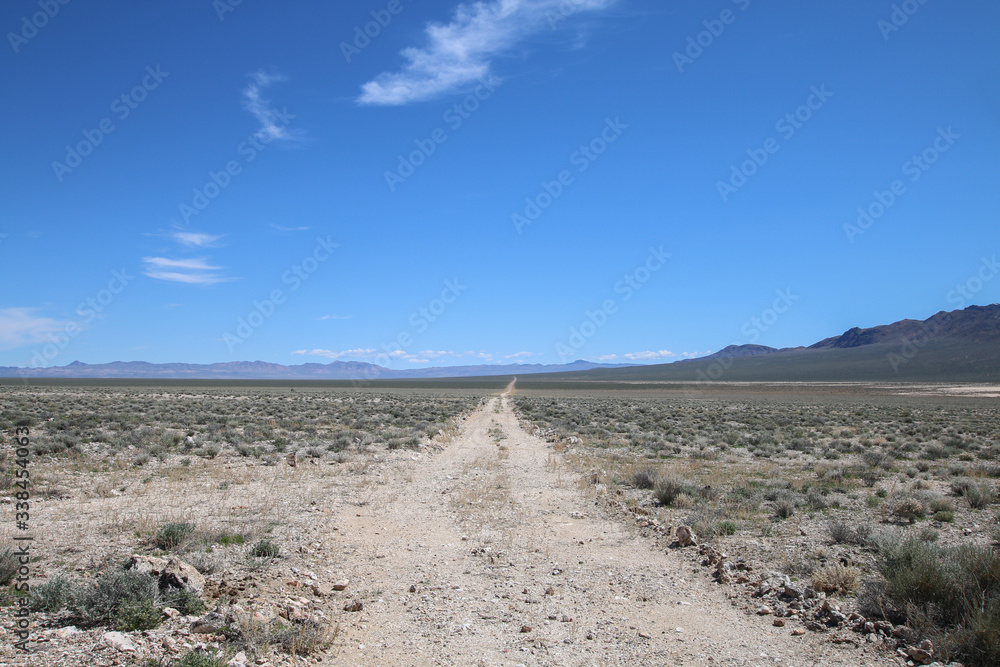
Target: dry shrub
(836, 579)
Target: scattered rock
(922, 654)
(292, 459)
(778, 622)
(181, 575)
(119, 641)
(354, 605)
(172, 572)
(764, 610)
(794, 590)
(343, 583)
(208, 624)
(525, 628)
(798, 632)
(685, 537)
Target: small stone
(923, 654)
(354, 605)
(778, 622)
(170, 612)
(644, 635)
(62, 633)
(208, 624)
(798, 632)
(685, 537)
(413, 588)
(341, 585)
(525, 628)
(794, 590)
(764, 610)
(292, 459)
(119, 641)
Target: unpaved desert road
(489, 553)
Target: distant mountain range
(961, 345)
(956, 346)
(262, 370)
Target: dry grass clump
(837, 579)
(669, 487)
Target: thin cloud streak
(260, 108)
(187, 271)
(461, 51)
(22, 326)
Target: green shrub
(944, 517)
(949, 594)
(644, 478)
(183, 601)
(784, 508)
(669, 487)
(265, 549)
(941, 505)
(53, 595)
(124, 599)
(908, 509)
(726, 528)
(978, 496)
(133, 615)
(8, 566)
(195, 659)
(842, 533)
(172, 535)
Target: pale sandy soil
(485, 550)
(486, 527)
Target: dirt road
(488, 553)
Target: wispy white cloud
(461, 51)
(522, 355)
(189, 271)
(23, 326)
(334, 317)
(362, 353)
(271, 121)
(195, 239)
(372, 354)
(648, 355)
(286, 230)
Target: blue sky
(516, 180)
